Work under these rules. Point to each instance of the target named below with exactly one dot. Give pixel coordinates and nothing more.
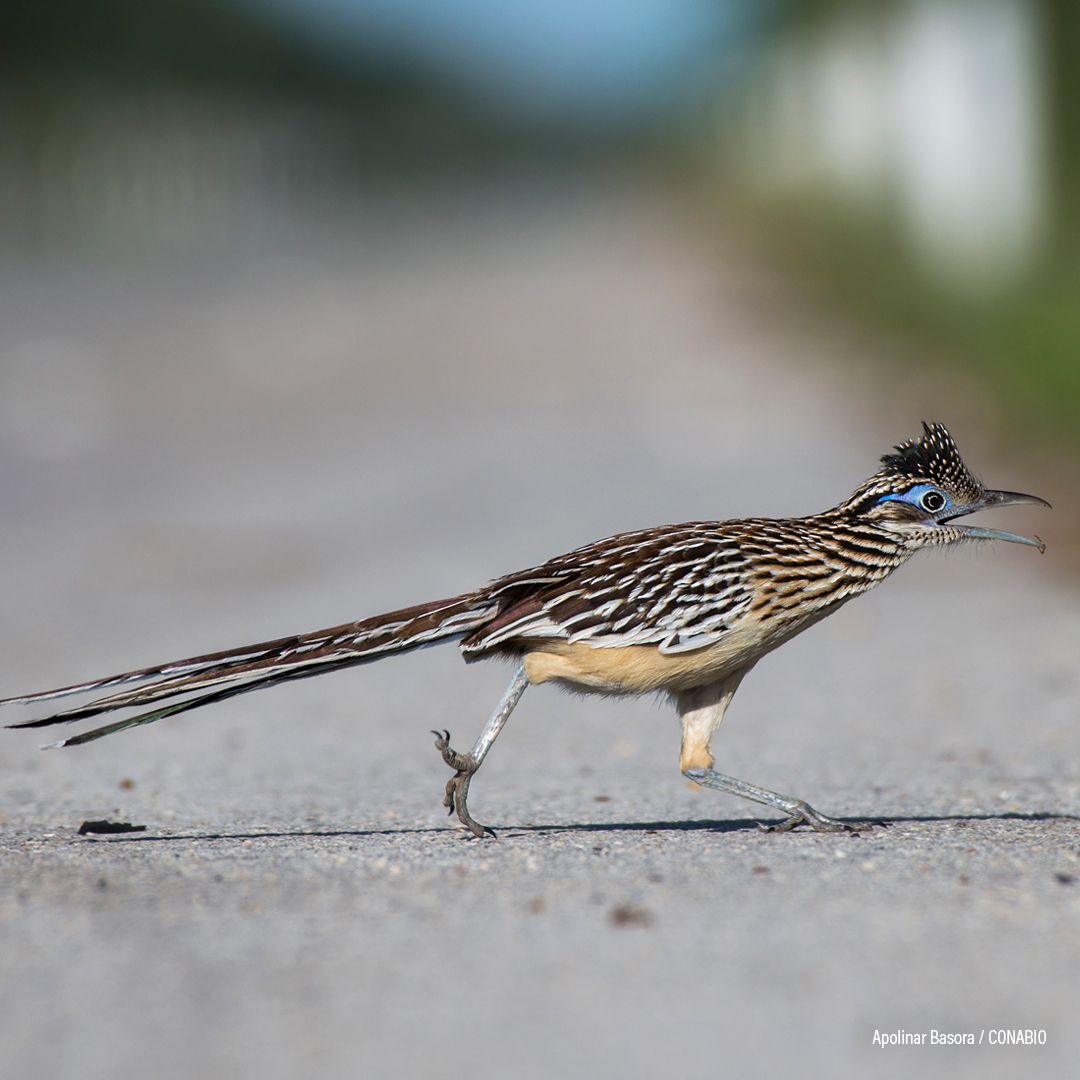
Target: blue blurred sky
(598, 59)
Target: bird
(681, 610)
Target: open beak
(1000, 498)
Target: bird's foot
(457, 787)
(805, 814)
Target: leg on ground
(798, 811)
(465, 765)
(701, 711)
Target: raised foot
(805, 814)
(457, 787)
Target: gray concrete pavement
(194, 459)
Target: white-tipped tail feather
(268, 663)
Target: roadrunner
(685, 610)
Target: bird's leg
(464, 765)
(798, 811)
(701, 711)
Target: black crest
(933, 459)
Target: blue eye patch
(914, 497)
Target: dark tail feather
(266, 664)
(190, 703)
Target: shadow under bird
(686, 610)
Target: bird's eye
(933, 501)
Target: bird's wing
(679, 588)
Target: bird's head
(921, 490)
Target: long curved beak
(1000, 498)
(1007, 498)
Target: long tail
(270, 662)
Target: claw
(456, 761)
(819, 823)
(457, 787)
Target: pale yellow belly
(642, 669)
(634, 669)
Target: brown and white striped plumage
(678, 608)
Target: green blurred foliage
(1063, 43)
(128, 123)
(1023, 344)
(63, 58)
(210, 44)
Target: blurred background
(216, 122)
(920, 159)
(915, 161)
(310, 309)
